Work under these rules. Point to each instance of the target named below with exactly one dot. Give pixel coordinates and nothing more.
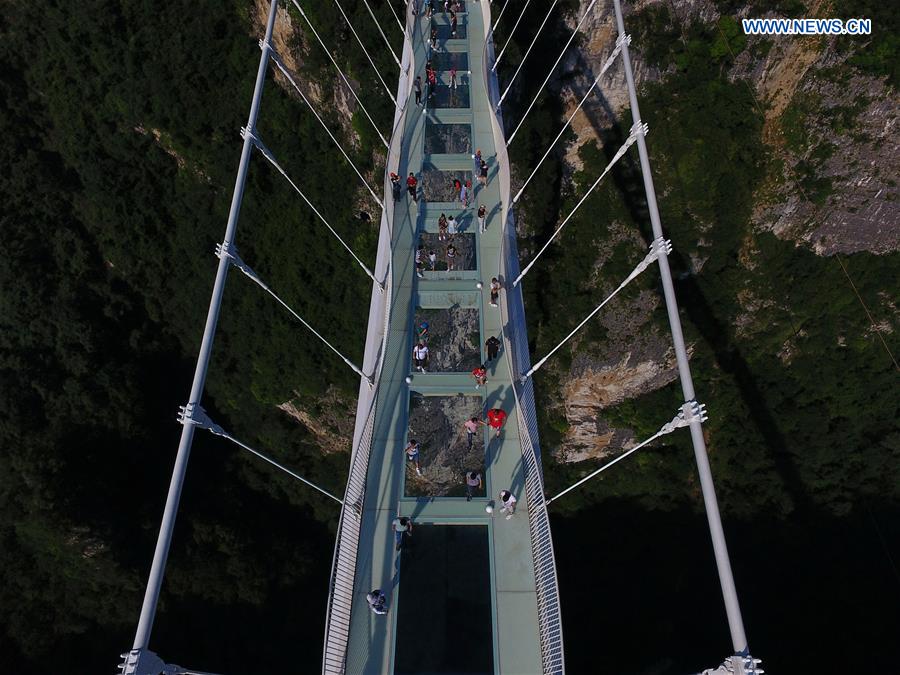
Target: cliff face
(830, 186)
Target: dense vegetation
(121, 140)
(803, 432)
(120, 123)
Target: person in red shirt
(480, 375)
(496, 417)
(412, 185)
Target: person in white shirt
(420, 356)
(508, 502)
(402, 529)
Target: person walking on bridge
(482, 217)
(496, 417)
(395, 186)
(412, 454)
(476, 162)
(451, 258)
(453, 77)
(417, 87)
(451, 228)
(471, 427)
(377, 601)
(420, 261)
(492, 347)
(453, 24)
(495, 291)
(420, 356)
(422, 332)
(479, 373)
(402, 528)
(483, 173)
(473, 482)
(442, 227)
(508, 502)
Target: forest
(121, 124)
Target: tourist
(453, 77)
(451, 228)
(417, 87)
(412, 185)
(402, 529)
(420, 356)
(483, 173)
(496, 417)
(451, 258)
(420, 261)
(480, 375)
(473, 482)
(482, 217)
(508, 502)
(464, 193)
(442, 227)
(495, 291)
(377, 600)
(432, 259)
(422, 332)
(476, 159)
(395, 186)
(492, 347)
(471, 427)
(412, 454)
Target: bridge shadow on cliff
(610, 130)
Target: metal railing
(346, 547)
(516, 351)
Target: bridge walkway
(514, 609)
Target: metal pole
(154, 583)
(726, 579)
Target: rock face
(326, 419)
(436, 422)
(600, 387)
(453, 342)
(828, 128)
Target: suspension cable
(686, 414)
(195, 415)
(552, 68)
(603, 70)
(499, 16)
(271, 158)
(527, 52)
(366, 52)
(512, 32)
(340, 72)
(378, 26)
(276, 59)
(394, 12)
(635, 131)
(227, 250)
(657, 248)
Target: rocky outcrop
(326, 418)
(585, 398)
